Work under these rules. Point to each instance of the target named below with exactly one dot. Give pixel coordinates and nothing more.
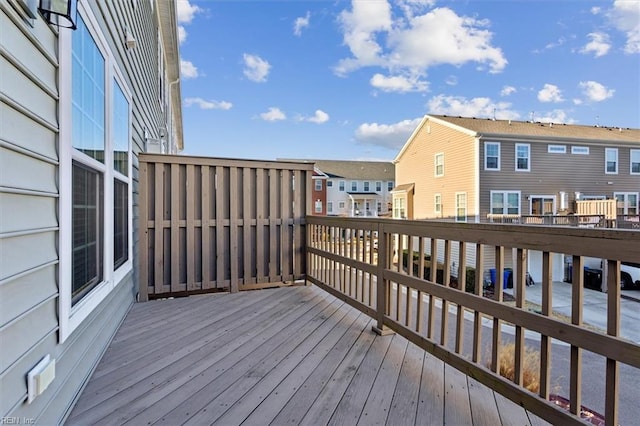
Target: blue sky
(351, 79)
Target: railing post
(384, 262)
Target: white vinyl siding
(492, 155)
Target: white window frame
(70, 317)
(625, 196)
(632, 153)
(437, 204)
(317, 184)
(329, 183)
(341, 205)
(329, 206)
(556, 149)
(606, 160)
(390, 186)
(486, 157)
(438, 163)
(580, 150)
(554, 208)
(366, 186)
(523, 145)
(341, 186)
(354, 186)
(505, 197)
(378, 186)
(461, 218)
(318, 206)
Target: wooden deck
(292, 355)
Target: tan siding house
(58, 306)
(512, 167)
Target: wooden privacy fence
(210, 224)
(381, 267)
(597, 207)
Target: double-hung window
(611, 161)
(366, 186)
(439, 165)
(354, 186)
(627, 203)
(378, 186)
(95, 173)
(492, 155)
(318, 184)
(635, 161)
(461, 206)
(390, 186)
(437, 205)
(505, 202)
(523, 157)
(341, 186)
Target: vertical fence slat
(274, 200)
(206, 227)
(613, 329)
(143, 231)
(433, 271)
(519, 286)
(221, 187)
(545, 341)
(175, 249)
(286, 231)
(446, 280)
(234, 189)
(190, 249)
(497, 323)
(158, 254)
(577, 299)
(462, 284)
(261, 223)
(477, 316)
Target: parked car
(629, 275)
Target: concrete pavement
(594, 307)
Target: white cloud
(625, 16)
(300, 23)
(402, 84)
(595, 10)
(387, 135)
(594, 91)
(550, 93)
(186, 11)
(555, 116)
(412, 43)
(204, 104)
(319, 117)
(182, 34)
(599, 44)
(475, 107)
(507, 90)
(452, 80)
(256, 69)
(188, 70)
(274, 114)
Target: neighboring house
(463, 169)
(76, 109)
(319, 192)
(353, 188)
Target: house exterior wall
(337, 197)
(552, 173)
(33, 139)
(417, 165)
(319, 196)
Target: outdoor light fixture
(130, 41)
(62, 13)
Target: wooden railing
(381, 267)
(210, 224)
(583, 220)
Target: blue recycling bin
(506, 274)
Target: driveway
(594, 307)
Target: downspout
(353, 206)
(173, 134)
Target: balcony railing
(384, 268)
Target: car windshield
(635, 265)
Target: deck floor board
(281, 356)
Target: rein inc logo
(17, 421)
